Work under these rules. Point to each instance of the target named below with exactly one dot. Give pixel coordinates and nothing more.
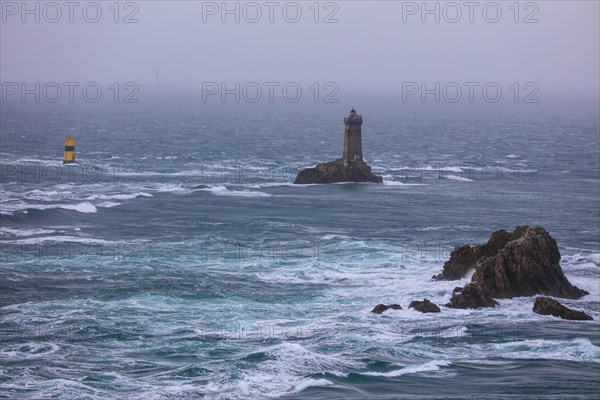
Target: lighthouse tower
(350, 168)
(352, 137)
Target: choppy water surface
(177, 260)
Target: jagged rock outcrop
(424, 306)
(549, 306)
(338, 171)
(463, 258)
(379, 308)
(527, 264)
(471, 296)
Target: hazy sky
(374, 45)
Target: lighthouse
(352, 137)
(349, 168)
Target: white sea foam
(171, 188)
(413, 369)
(581, 349)
(223, 191)
(274, 184)
(40, 161)
(193, 172)
(446, 167)
(284, 372)
(31, 350)
(84, 207)
(491, 170)
(118, 196)
(457, 178)
(310, 383)
(4, 231)
(59, 239)
(108, 204)
(582, 260)
(390, 182)
(330, 237)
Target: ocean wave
(27, 351)
(120, 196)
(275, 184)
(39, 161)
(447, 227)
(4, 231)
(223, 191)
(108, 204)
(283, 372)
(456, 178)
(580, 349)
(59, 239)
(582, 260)
(311, 383)
(387, 181)
(6, 196)
(193, 172)
(84, 207)
(333, 236)
(430, 366)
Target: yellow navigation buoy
(69, 151)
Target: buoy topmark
(69, 151)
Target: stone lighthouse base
(338, 171)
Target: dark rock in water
(549, 306)
(528, 264)
(424, 306)
(379, 308)
(463, 258)
(471, 296)
(338, 171)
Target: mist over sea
(177, 259)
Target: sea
(177, 260)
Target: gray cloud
(371, 47)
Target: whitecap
(430, 366)
(109, 204)
(311, 382)
(59, 239)
(456, 178)
(284, 373)
(579, 349)
(85, 207)
(389, 182)
(330, 237)
(223, 191)
(4, 231)
(121, 196)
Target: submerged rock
(471, 296)
(549, 306)
(525, 265)
(379, 308)
(424, 306)
(338, 171)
